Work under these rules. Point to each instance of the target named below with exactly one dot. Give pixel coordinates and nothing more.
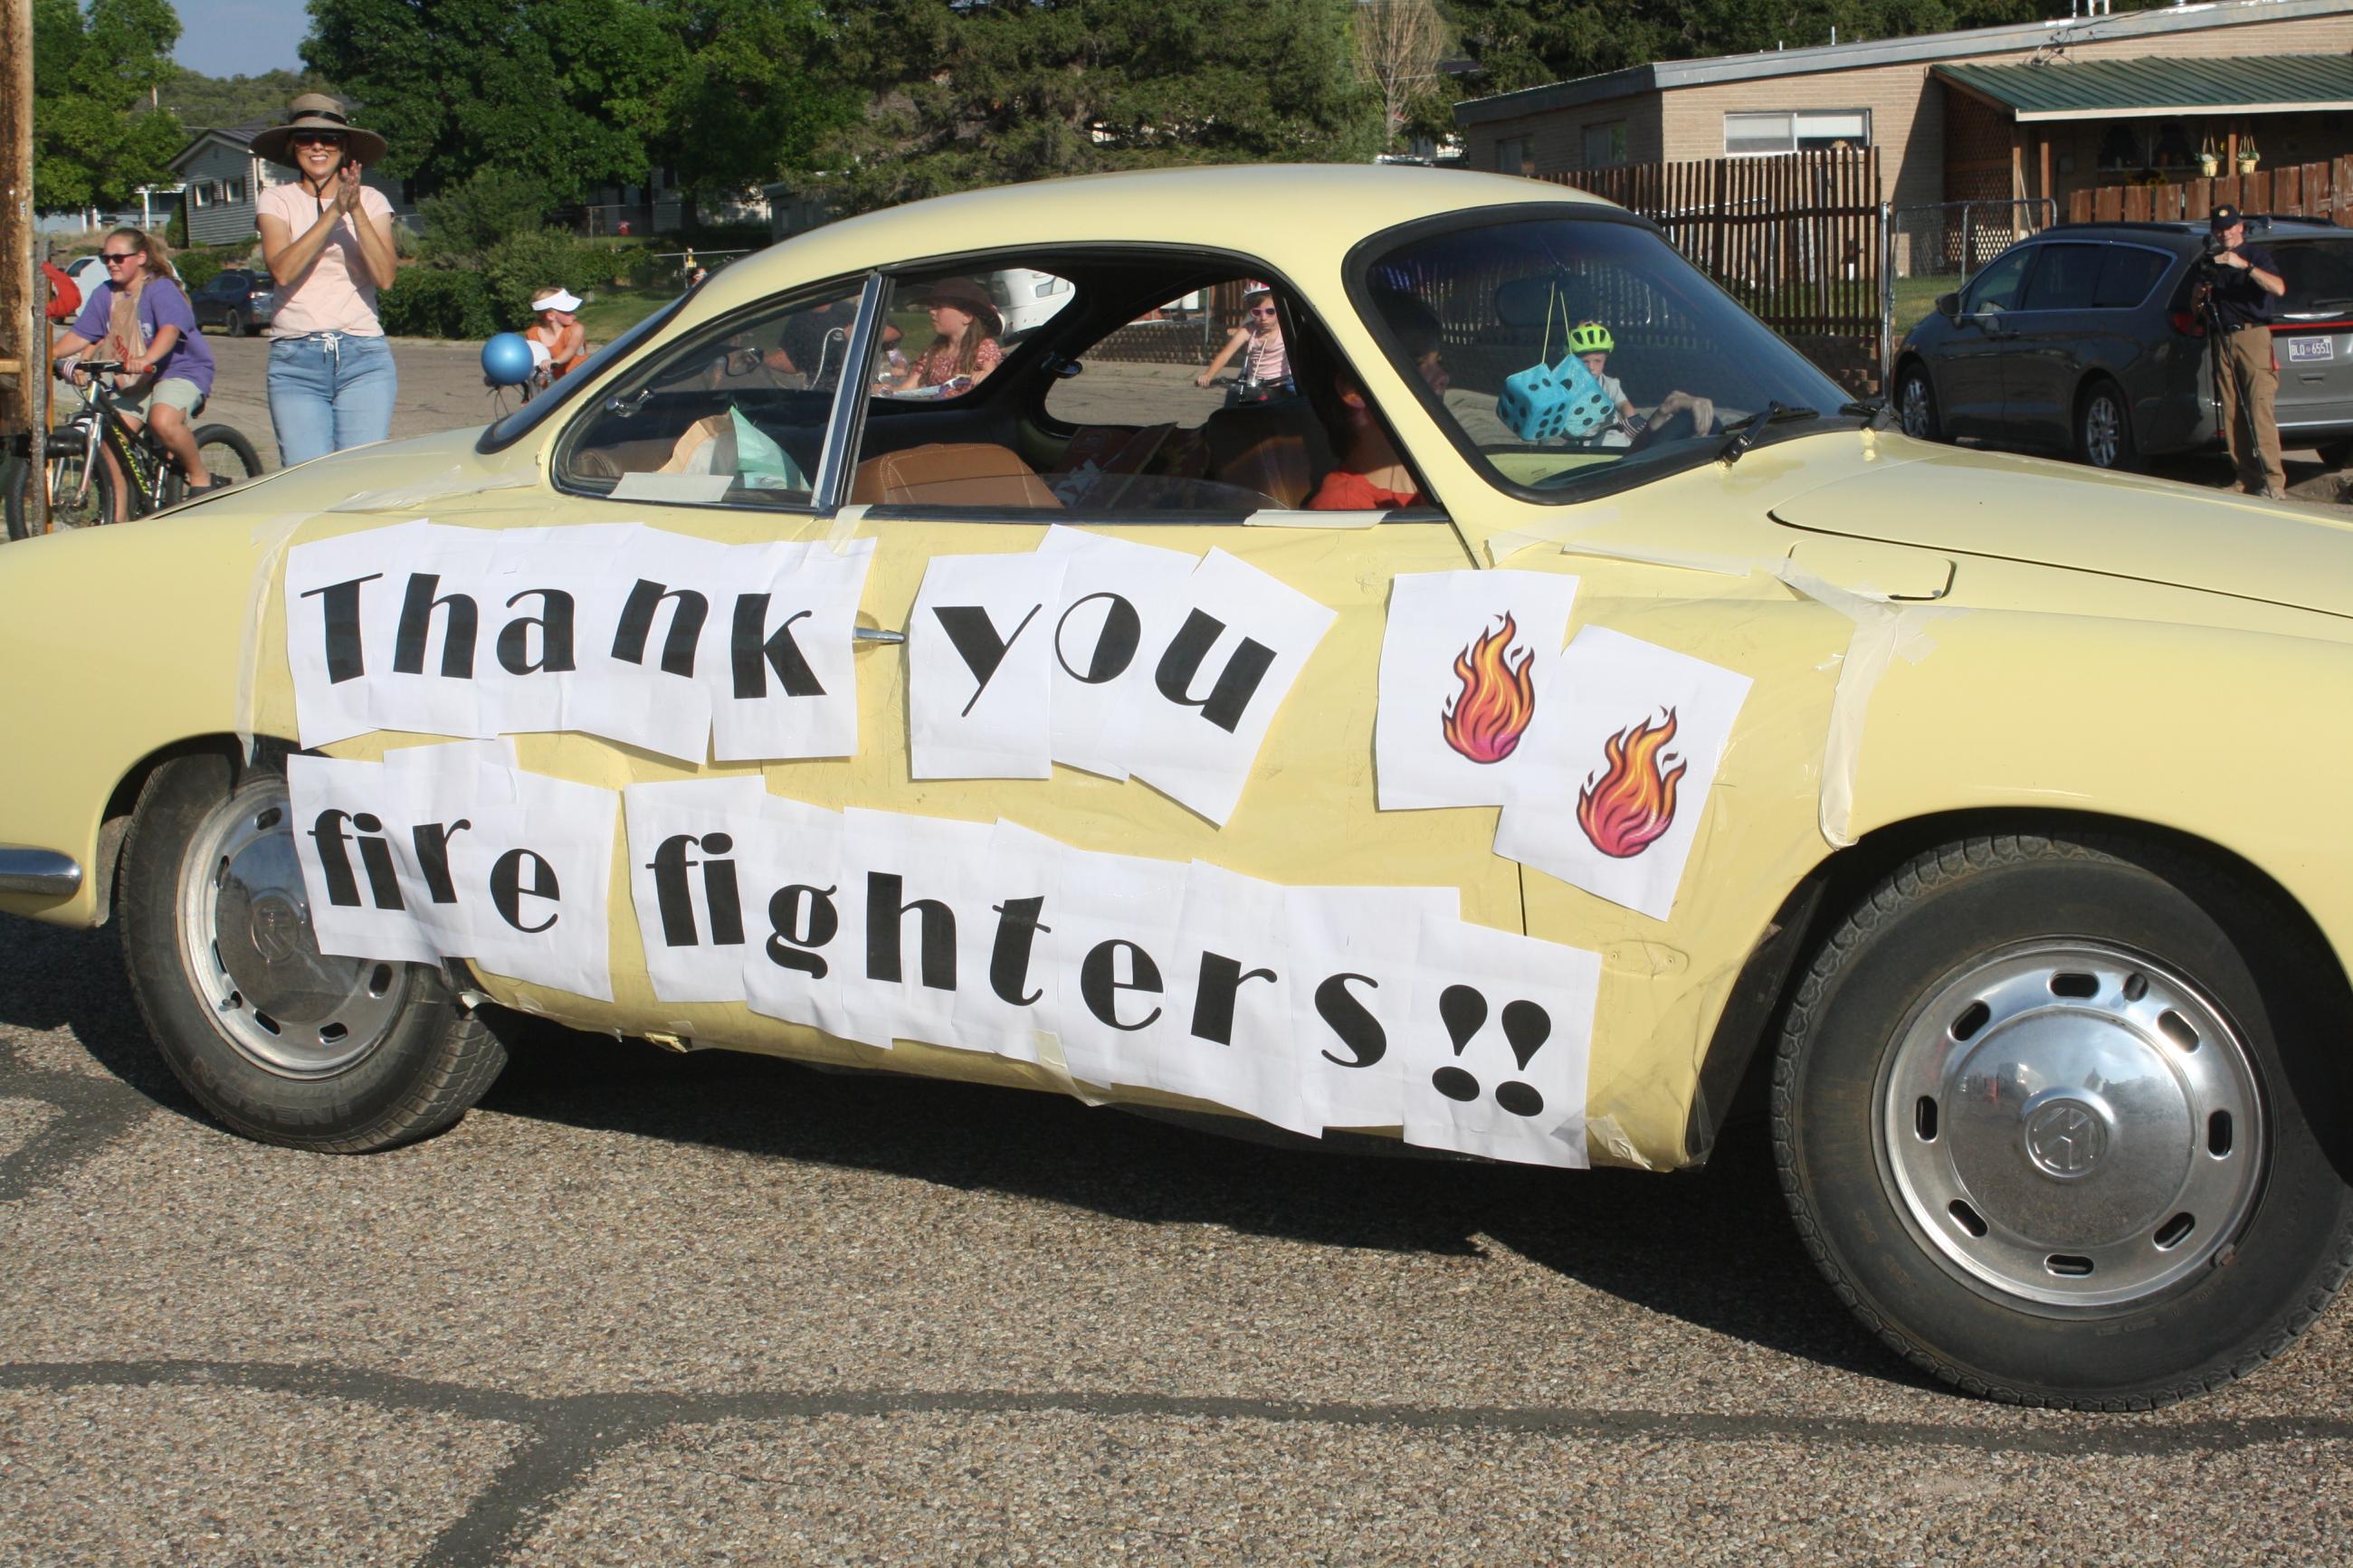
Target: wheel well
(114, 823)
(1738, 1069)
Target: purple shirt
(161, 304)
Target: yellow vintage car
(1527, 713)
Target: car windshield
(503, 431)
(1568, 356)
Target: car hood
(2054, 514)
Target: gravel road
(713, 1309)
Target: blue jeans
(329, 391)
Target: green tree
(753, 99)
(963, 93)
(90, 74)
(218, 102)
(567, 92)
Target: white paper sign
(1013, 990)
(1463, 660)
(921, 934)
(652, 639)
(1116, 955)
(444, 851)
(688, 842)
(1357, 952)
(794, 968)
(1232, 984)
(980, 667)
(1612, 800)
(1494, 1060)
(1241, 638)
(1104, 645)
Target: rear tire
(280, 1042)
(2104, 429)
(1915, 404)
(2060, 1122)
(233, 324)
(72, 503)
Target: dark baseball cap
(2224, 217)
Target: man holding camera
(2242, 282)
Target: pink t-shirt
(336, 294)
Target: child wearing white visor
(558, 342)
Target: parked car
(87, 271)
(237, 301)
(2083, 340)
(1975, 823)
(1027, 299)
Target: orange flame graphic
(1625, 810)
(1485, 720)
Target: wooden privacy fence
(1796, 238)
(2319, 191)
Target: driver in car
(1592, 344)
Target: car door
(2056, 331)
(1969, 379)
(1258, 759)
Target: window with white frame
(1605, 144)
(1757, 134)
(234, 191)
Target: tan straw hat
(317, 112)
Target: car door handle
(876, 634)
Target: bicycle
(81, 483)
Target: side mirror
(1949, 306)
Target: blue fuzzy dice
(1547, 401)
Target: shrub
(520, 267)
(466, 221)
(434, 302)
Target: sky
(241, 38)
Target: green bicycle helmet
(1592, 338)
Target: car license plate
(2303, 351)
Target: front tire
(280, 1042)
(1915, 404)
(2047, 1133)
(81, 492)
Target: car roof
(2191, 228)
(1294, 216)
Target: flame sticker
(1485, 720)
(1632, 803)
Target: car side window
(2319, 276)
(2066, 277)
(2127, 275)
(1117, 419)
(735, 415)
(1997, 287)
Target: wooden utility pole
(24, 330)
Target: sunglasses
(111, 257)
(317, 138)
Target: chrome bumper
(42, 873)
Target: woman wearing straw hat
(966, 349)
(328, 242)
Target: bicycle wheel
(227, 455)
(81, 493)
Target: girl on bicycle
(139, 316)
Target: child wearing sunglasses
(141, 319)
(1266, 364)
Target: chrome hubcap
(1915, 408)
(2103, 427)
(245, 924)
(2071, 1123)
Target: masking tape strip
(844, 523)
(451, 482)
(272, 538)
(1882, 631)
(1688, 560)
(1058, 1067)
(1294, 517)
(1577, 524)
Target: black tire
(1916, 404)
(2337, 454)
(72, 503)
(227, 455)
(2104, 438)
(233, 324)
(216, 937)
(1947, 1285)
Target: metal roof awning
(2122, 89)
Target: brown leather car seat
(1278, 450)
(954, 473)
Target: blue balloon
(506, 360)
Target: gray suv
(2082, 340)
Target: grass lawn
(614, 310)
(1916, 297)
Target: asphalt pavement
(644, 1307)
